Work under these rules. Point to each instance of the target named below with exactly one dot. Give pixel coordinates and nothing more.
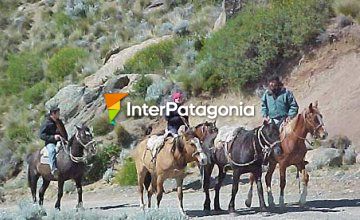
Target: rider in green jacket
(278, 104)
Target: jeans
(51, 148)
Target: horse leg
(32, 181)
(305, 180)
(179, 184)
(207, 175)
(79, 191)
(235, 188)
(250, 193)
(268, 178)
(218, 185)
(260, 191)
(141, 179)
(60, 193)
(42, 191)
(159, 189)
(282, 184)
(151, 189)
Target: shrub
(24, 70)
(153, 59)
(127, 176)
(140, 87)
(124, 138)
(63, 23)
(69, 187)
(64, 62)
(102, 126)
(35, 94)
(101, 161)
(348, 8)
(256, 41)
(17, 131)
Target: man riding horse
(278, 104)
(51, 131)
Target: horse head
(193, 146)
(314, 121)
(206, 130)
(85, 139)
(269, 135)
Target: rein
(76, 159)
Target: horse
(245, 155)
(171, 160)
(70, 163)
(293, 137)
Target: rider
(278, 104)
(51, 131)
(174, 119)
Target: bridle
(78, 159)
(313, 131)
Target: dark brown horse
(245, 155)
(293, 138)
(70, 163)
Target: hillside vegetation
(48, 44)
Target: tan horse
(170, 162)
(293, 138)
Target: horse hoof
(248, 203)
(207, 207)
(218, 209)
(263, 209)
(231, 210)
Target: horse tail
(147, 180)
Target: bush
(64, 62)
(24, 70)
(257, 40)
(35, 94)
(123, 136)
(127, 175)
(140, 87)
(153, 59)
(102, 126)
(348, 8)
(101, 161)
(63, 23)
(16, 131)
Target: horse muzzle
(202, 158)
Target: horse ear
(316, 103)
(77, 127)
(215, 123)
(265, 122)
(311, 107)
(181, 130)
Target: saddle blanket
(155, 142)
(44, 154)
(226, 134)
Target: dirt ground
(332, 194)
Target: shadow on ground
(311, 206)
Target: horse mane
(177, 144)
(71, 141)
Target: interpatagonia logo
(113, 106)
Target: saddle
(44, 154)
(156, 142)
(226, 136)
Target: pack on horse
(293, 146)
(171, 160)
(245, 154)
(71, 160)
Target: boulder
(91, 94)
(321, 157)
(68, 99)
(349, 157)
(358, 158)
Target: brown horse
(171, 161)
(70, 163)
(293, 138)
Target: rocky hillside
(72, 52)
